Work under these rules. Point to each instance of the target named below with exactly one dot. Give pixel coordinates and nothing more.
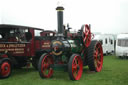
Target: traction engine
(71, 51)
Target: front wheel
(5, 69)
(44, 66)
(75, 67)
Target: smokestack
(60, 19)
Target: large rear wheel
(95, 56)
(75, 67)
(44, 67)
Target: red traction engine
(71, 51)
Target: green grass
(114, 72)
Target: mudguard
(5, 59)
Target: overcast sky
(105, 16)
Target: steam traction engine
(71, 51)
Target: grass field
(115, 72)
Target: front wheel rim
(5, 69)
(46, 70)
(77, 68)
